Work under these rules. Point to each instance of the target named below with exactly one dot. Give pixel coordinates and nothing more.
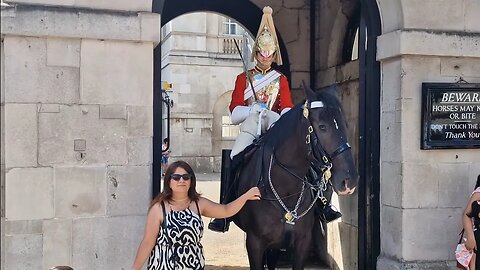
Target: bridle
(321, 161)
(319, 156)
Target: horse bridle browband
(321, 159)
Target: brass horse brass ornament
(288, 217)
(327, 174)
(305, 109)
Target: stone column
(423, 193)
(77, 83)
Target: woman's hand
(216, 210)
(470, 243)
(253, 194)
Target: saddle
(238, 164)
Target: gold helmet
(266, 42)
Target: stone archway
(169, 10)
(234, 9)
(369, 110)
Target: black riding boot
(219, 225)
(326, 213)
(323, 209)
(226, 196)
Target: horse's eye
(323, 127)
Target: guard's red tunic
(283, 100)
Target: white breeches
(256, 123)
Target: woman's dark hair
(166, 193)
(478, 182)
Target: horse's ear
(332, 90)
(309, 94)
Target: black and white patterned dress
(178, 242)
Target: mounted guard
(261, 96)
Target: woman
(471, 224)
(174, 224)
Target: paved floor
(223, 251)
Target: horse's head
(330, 149)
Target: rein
(291, 216)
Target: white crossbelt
(259, 126)
(260, 84)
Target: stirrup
(219, 225)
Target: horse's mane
(289, 123)
(285, 126)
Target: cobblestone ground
(223, 251)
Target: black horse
(312, 134)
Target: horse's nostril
(350, 183)
(347, 187)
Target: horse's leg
(319, 242)
(255, 249)
(301, 251)
(272, 258)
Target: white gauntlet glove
(239, 114)
(257, 108)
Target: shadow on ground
(213, 267)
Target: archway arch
(390, 15)
(234, 9)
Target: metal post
(369, 140)
(157, 121)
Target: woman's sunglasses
(177, 177)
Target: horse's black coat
(286, 143)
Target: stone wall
(76, 131)
(423, 193)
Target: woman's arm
(154, 220)
(216, 210)
(467, 222)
